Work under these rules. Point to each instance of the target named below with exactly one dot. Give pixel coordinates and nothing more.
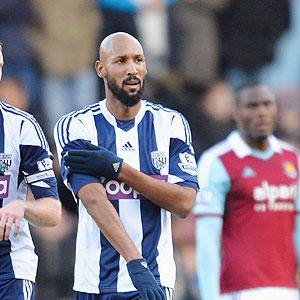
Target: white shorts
(267, 293)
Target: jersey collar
(242, 149)
(112, 120)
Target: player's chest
(145, 148)
(267, 185)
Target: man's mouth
(132, 81)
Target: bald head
(122, 66)
(116, 41)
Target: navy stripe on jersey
(30, 155)
(146, 133)
(15, 111)
(178, 146)
(150, 213)
(18, 289)
(6, 269)
(109, 258)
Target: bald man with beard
(130, 164)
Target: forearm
(42, 212)
(172, 197)
(208, 230)
(94, 198)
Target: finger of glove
(146, 295)
(72, 164)
(70, 158)
(79, 170)
(160, 294)
(90, 146)
(83, 153)
(151, 295)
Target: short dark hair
(244, 86)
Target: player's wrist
(137, 261)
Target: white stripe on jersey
(169, 293)
(27, 289)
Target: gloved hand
(144, 281)
(95, 161)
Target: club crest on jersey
(159, 159)
(5, 162)
(289, 169)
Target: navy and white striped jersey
(25, 161)
(158, 143)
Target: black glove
(144, 281)
(95, 161)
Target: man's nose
(263, 110)
(131, 70)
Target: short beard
(261, 138)
(122, 95)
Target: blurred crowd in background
(197, 52)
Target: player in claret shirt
(130, 164)
(28, 194)
(248, 208)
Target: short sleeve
(214, 184)
(36, 161)
(183, 167)
(70, 132)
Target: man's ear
(100, 69)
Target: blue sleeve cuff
(77, 181)
(191, 184)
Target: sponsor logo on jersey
(127, 147)
(116, 190)
(5, 162)
(159, 159)
(188, 163)
(4, 186)
(45, 164)
(289, 169)
(267, 195)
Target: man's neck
(121, 111)
(260, 144)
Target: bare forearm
(104, 214)
(172, 197)
(43, 212)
